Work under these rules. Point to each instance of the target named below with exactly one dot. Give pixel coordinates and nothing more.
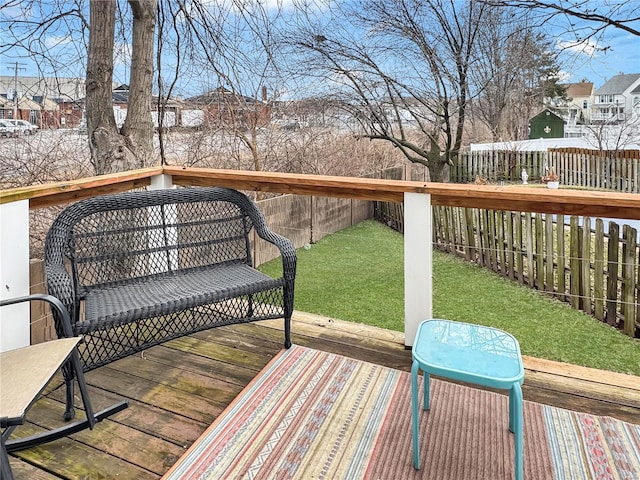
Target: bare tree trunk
(138, 126)
(438, 164)
(109, 153)
(111, 150)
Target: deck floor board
(177, 389)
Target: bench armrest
(60, 285)
(287, 250)
(59, 311)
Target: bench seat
(172, 292)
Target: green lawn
(357, 274)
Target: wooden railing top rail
(512, 198)
(57, 193)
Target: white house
(614, 102)
(575, 105)
(580, 98)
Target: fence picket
(539, 253)
(630, 236)
(519, 253)
(574, 263)
(598, 271)
(585, 265)
(612, 273)
(561, 258)
(510, 247)
(549, 284)
(613, 170)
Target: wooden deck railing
(493, 197)
(417, 197)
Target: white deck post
(418, 260)
(160, 260)
(15, 328)
(160, 182)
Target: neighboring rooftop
(580, 89)
(617, 84)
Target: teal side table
(469, 353)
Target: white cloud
(58, 41)
(587, 47)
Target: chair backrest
(113, 239)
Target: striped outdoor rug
(314, 415)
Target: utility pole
(17, 66)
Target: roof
(220, 95)
(546, 112)
(617, 84)
(45, 103)
(580, 89)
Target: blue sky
(590, 60)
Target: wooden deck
(177, 389)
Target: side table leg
(414, 415)
(516, 424)
(426, 402)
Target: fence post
(418, 259)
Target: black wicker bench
(139, 268)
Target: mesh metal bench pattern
(139, 268)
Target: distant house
(615, 101)
(71, 113)
(579, 100)
(224, 108)
(120, 99)
(6, 108)
(574, 106)
(49, 112)
(46, 102)
(24, 109)
(546, 124)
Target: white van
(7, 129)
(23, 127)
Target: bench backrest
(115, 238)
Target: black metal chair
(26, 372)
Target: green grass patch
(357, 275)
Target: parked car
(23, 127)
(7, 129)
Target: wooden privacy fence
(498, 166)
(593, 271)
(603, 169)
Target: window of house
(585, 104)
(1, 114)
(33, 116)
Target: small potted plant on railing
(552, 179)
